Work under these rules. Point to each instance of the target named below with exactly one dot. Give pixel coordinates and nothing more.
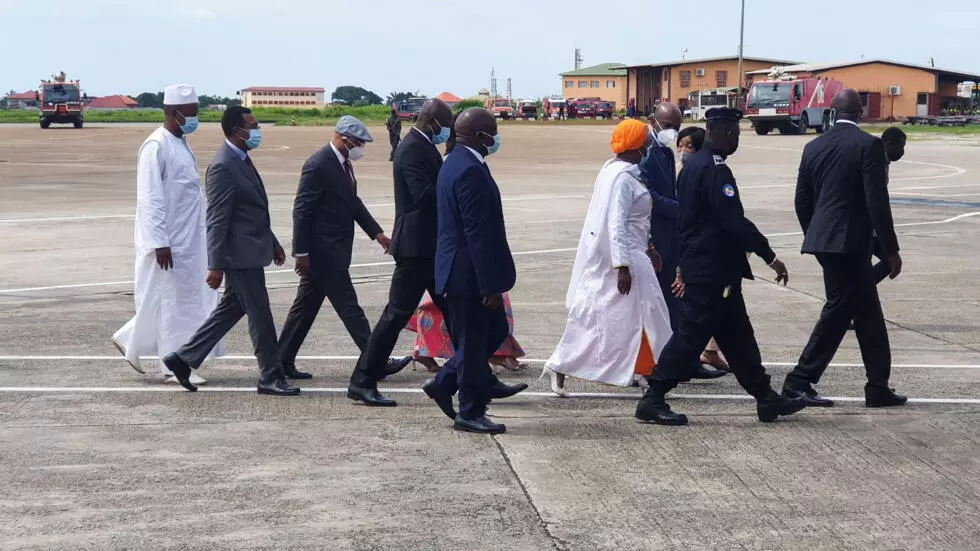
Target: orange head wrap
(629, 135)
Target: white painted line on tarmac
(285, 271)
(31, 358)
(339, 390)
(377, 205)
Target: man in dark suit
(474, 267)
(660, 176)
(413, 245)
(841, 198)
(240, 245)
(324, 213)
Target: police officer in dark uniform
(715, 235)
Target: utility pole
(578, 59)
(493, 83)
(741, 44)
(509, 96)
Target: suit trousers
(334, 285)
(852, 293)
(882, 268)
(666, 278)
(245, 294)
(706, 312)
(477, 333)
(411, 279)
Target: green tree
(355, 96)
(150, 99)
(398, 97)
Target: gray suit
(241, 243)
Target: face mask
(442, 136)
(190, 124)
(666, 137)
(497, 140)
(254, 139)
(355, 153)
(685, 157)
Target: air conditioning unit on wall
(699, 73)
(894, 90)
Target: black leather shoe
(181, 371)
(292, 373)
(481, 425)
(370, 397)
(882, 397)
(707, 373)
(442, 400)
(774, 405)
(502, 390)
(809, 397)
(659, 412)
(278, 387)
(394, 366)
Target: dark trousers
(477, 333)
(395, 140)
(666, 278)
(411, 278)
(851, 294)
(245, 295)
(334, 285)
(705, 312)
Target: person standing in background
(170, 241)
(394, 126)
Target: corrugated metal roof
(113, 102)
(23, 95)
(820, 67)
(711, 59)
(602, 70)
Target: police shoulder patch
(728, 190)
(719, 160)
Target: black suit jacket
(416, 166)
(842, 194)
(324, 213)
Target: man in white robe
(170, 241)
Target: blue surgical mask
(497, 140)
(190, 124)
(442, 136)
(254, 139)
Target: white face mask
(666, 137)
(355, 153)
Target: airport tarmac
(95, 456)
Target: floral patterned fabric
(433, 340)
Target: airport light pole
(741, 43)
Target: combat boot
(772, 405)
(653, 407)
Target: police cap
(723, 114)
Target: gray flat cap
(349, 126)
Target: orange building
(672, 81)
(889, 90)
(606, 81)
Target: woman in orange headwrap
(617, 318)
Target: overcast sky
(127, 47)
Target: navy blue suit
(661, 179)
(472, 261)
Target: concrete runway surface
(95, 456)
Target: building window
(721, 78)
(595, 83)
(685, 79)
(610, 84)
(583, 84)
(569, 84)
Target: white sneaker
(196, 380)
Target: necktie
(350, 176)
(248, 161)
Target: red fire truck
(60, 101)
(791, 106)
